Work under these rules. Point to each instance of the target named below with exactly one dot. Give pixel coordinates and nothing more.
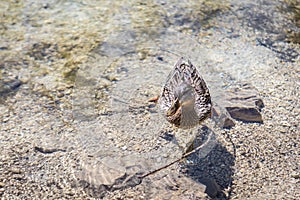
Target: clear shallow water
(130, 131)
(118, 55)
(119, 132)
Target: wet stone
(245, 114)
(15, 170)
(244, 103)
(240, 102)
(18, 177)
(228, 123)
(222, 117)
(296, 175)
(8, 86)
(40, 47)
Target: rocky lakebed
(76, 78)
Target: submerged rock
(222, 117)
(240, 102)
(245, 114)
(243, 103)
(8, 86)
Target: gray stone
(245, 114)
(243, 103)
(8, 86)
(222, 117)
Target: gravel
(76, 76)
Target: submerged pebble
(8, 86)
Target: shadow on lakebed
(215, 170)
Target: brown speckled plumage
(185, 99)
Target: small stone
(9, 86)
(137, 148)
(15, 170)
(6, 119)
(222, 117)
(285, 123)
(245, 114)
(138, 126)
(60, 94)
(18, 176)
(296, 176)
(105, 82)
(259, 103)
(112, 78)
(69, 193)
(228, 123)
(68, 91)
